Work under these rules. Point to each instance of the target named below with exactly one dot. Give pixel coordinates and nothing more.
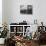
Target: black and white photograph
(26, 9)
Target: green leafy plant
(4, 32)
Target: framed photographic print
(25, 9)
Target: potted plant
(3, 34)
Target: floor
(42, 45)
(33, 45)
(36, 44)
(2, 45)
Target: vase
(2, 40)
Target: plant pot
(2, 40)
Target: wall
(4, 11)
(12, 8)
(0, 13)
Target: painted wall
(12, 11)
(4, 11)
(0, 13)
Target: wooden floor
(42, 45)
(32, 45)
(2, 45)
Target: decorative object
(28, 33)
(2, 40)
(26, 9)
(4, 32)
(35, 21)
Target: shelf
(19, 32)
(19, 27)
(12, 32)
(16, 32)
